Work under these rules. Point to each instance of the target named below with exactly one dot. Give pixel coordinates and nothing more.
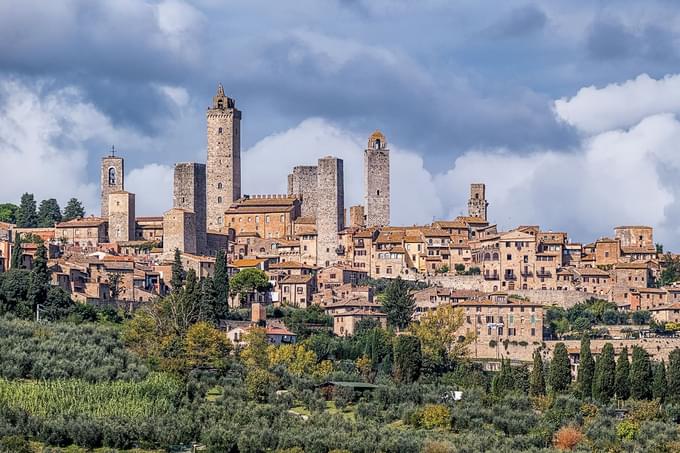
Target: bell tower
(377, 180)
(223, 165)
(112, 179)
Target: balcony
(526, 273)
(510, 277)
(493, 276)
(544, 274)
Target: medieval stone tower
(121, 213)
(112, 180)
(223, 166)
(330, 210)
(477, 204)
(189, 192)
(377, 180)
(303, 182)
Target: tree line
(30, 215)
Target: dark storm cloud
(519, 22)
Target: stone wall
(189, 192)
(121, 216)
(477, 204)
(330, 208)
(303, 181)
(179, 231)
(112, 180)
(377, 185)
(223, 167)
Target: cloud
(152, 185)
(620, 105)
(521, 21)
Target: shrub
(437, 447)
(435, 416)
(627, 429)
(567, 438)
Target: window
(219, 130)
(266, 219)
(299, 290)
(508, 257)
(112, 176)
(219, 199)
(219, 185)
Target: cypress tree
(398, 303)
(640, 375)
(659, 384)
(407, 359)
(178, 273)
(40, 278)
(503, 381)
(605, 375)
(221, 285)
(537, 380)
(559, 374)
(15, 262)
(208, 300)
(622, 382)
(586, 369)
(27, 217)
(674, 375)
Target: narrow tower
(189, 194)
(223, 167)
(377, 180)
(477, 204)
(330, 208)
(112, 179)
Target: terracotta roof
(82, 223)
(290, 265)
(511, 302)
(450, 224)
(296, 279)
(633, 250)
(359, 312)
(435, 232)
(675, 306)
(305, 221)
(634, 265)
(592, 271)
(247, 262)
(149, 219)
(274, 330)
(469, 219)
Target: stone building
(357, 217)
(223, 166)
(266, 216)
(122, 225)
(303, 184)
(477, 204)
(112, 180)
(635, 236)
(86, 233)
(330, 208)
(377, 180)
(179, 231)
(189, 191)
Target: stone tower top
(221, 101)
(377, 140)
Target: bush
(14, 444)
(435, 416)
(567, 438)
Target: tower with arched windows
(112, 180)
(477, 205)
(377, 180)
(223, 165)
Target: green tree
(15, 262)
(537, 382)
(398, 303)
(503, 381)
(49, 213)
(74, 210)
(605, 373)
(586, 369)
(208, 300)
(249, 281)
(640, 374)
(27, 217)
(40, 278)
(8, 212)
(178, 273)
(659, 384)
(674, 375)
(622, 382)
(115, 279)
(58, 304)
(221, 285)
(559, 374)
(407, 358)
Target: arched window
(112, 176)
(219, 199)
(495, 256)
(219, 185)
(220, 104)
(376, 144)
(377, 192)
(219, 130)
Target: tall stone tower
(330, 210)
(189, 191)
(303, 181)
(377, 180)
(112, 179)
(179, 231)
(477, 204)
(121, 216)
(223, 166)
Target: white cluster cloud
(624, 171)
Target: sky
(567, 110)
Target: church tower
(112, 179)
(377, 181)
(223, 166)
(477, 204)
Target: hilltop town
(315, 251)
